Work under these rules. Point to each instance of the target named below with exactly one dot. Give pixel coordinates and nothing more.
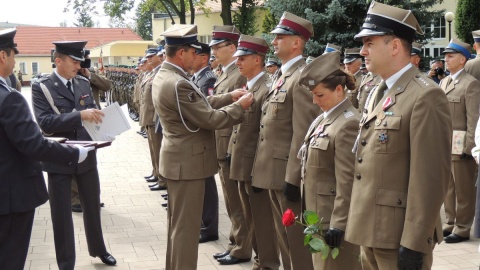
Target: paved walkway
(134, 223)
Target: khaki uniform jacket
(329, 165)
(463, 95)
(286, 115)
(472, 67)
(147, 111)
(243, 143)
(189, 154)
(402, 167)
(227, 82)
(137, 90)
(368, 83)
(353, 94)
(99, 83)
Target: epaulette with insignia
(348, 114)
(421, 79)
(44, 78)
(209, 74)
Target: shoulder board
(81, 78)
(45, 78)
(209, 74)
(422, 80)
(347, 114)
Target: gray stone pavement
(134, 223)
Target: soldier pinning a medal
(327, 159)
(401, 172)
(187, 155)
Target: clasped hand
(92, 115)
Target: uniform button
(429, 240)
(366, 126)
(261, 125)
(359, 176)
(70, 163)
(399, 202)
(261, 139)
(264, 112)
(234, 141)
(332, 191)
(364, 142)
(360, 160)
(35, 171)
(235, 131)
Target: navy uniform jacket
(68, 124)
(22, 187)
(205, 80)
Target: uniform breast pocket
(455, 104)
(318, 153)
(62, 105)
(390, 211)
(277, 108)
(387, 132)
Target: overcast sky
(44, 13)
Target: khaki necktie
(449, 81)
(380, 92)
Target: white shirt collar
(64, 81)
(327, 113)
(224, 69)
(394, 78)
(5, 83)
(454, 76)
(254, 80)
(290, 63)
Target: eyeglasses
(216, 48)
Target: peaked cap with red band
(223, 33)
(293, 25)
(251, 45)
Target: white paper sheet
(113, 123)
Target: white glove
(83, 152)
(108, 137)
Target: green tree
(467, 19)
(269, 21)
(337, 21)
(244, 18)
(83, 9)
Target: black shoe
(136, 119)
(221, 255)
(77, 208)
(108, 259)
(140, 133)
(158, 187)
(446, 233)
(204, 238)
(102, 204)
(150, 176)
(152, 185)
(165, 195)
(164, 204)
(455, 238)
(152, 179)
(229, 259)
(145, 136)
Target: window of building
(439, 28)
(34, 68)
(23, 67)
(437, 52)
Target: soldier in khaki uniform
(224, 45)
(402, 163)
(473, 66)
(368, 83)
(148, 116)
(353, 62)
(187, 155)
(327, 158)
(286, 115)
(243, 144)
(463, 93)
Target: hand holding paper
(113, 123)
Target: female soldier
(327, 156)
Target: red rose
(288, 218)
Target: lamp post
(449, 16)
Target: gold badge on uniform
(380, 116)
(82, 102)
(191, 97)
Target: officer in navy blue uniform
(22, 187)
(62, 101)
(205, 79)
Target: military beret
(457, 46)
(320, 68)
(291, 24)
(74, 49)
(6, 39)
(251, 45)
(384, 20)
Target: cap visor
(195, 46)
(77, 58)
(348, 60)
(215, 42)
(281, 31)
(241, 52)
(368, 33)
(450, 50)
